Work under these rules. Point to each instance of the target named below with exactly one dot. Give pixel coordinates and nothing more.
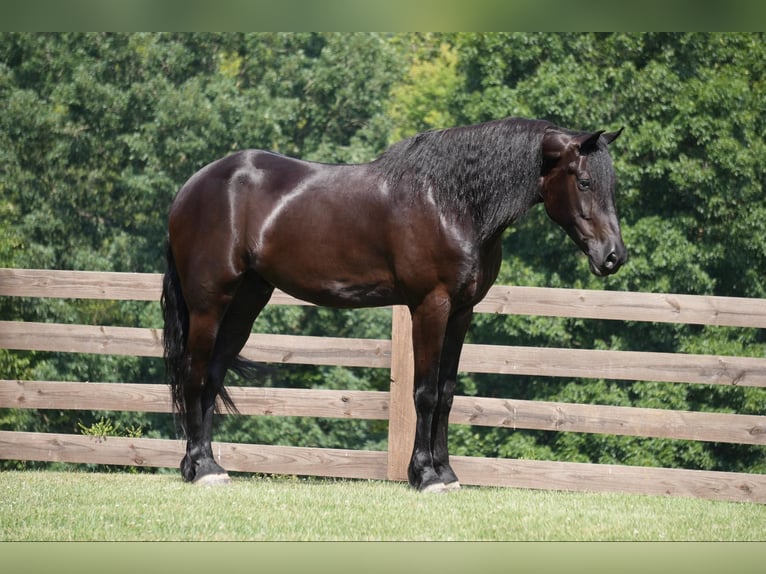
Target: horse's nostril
(611, 260)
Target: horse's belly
(328, 287)
(328, 276)
(345, 295)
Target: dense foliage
(98, 131)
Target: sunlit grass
(52, 506)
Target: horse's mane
(489, 170)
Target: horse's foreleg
(450, 359)
(429, 322)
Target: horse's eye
(583, 184)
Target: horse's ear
(553, 145)
(589, 142)
(611, 136)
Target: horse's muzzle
(608, 261)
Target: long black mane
(489, 170)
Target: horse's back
(289, 220)
(254, 170)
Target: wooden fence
(396, 406)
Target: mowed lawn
(81, 506)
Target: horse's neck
(504, 200)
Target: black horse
(419, 226)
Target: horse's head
(577, 188)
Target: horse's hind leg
(251, 297)
(199, 399)
(215, 340)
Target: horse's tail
(175, 334)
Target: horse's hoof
(213, 479)
(452, 486)
(436, 487)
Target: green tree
(425, 96)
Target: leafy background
(99, 130)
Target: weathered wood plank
(149, 398)
(80, 339)
(604, 419)
(401, 424)
(504, 299)
(621, 365)
(585, 363)
(333, 462)
(583, 477)
(166, 453)
(372, 465)
(374, 405)
(155, 398)
(64, 338)
(345, 404)
(625, 306)
(267, 348)
(62, 284)
(52, 447)
(294, 349)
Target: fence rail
(374, 405)
(396, 405)
(503, 299)
(509, 360)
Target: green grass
(54, 506)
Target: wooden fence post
(401, 411)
